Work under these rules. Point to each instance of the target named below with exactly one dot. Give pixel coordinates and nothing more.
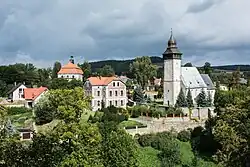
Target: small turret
(72, 59)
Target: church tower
(172, 72)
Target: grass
(44, 128)
(22, 120)
(147, 157)
(130, 123)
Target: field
(148, 157)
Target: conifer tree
(209, 100)
(181, 100)
(190, 103)
(201, 99)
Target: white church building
(177, 77)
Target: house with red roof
(28, 96)
(70, 71)
(32, 95)
(106, 91)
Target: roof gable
(191, 78)
(33, 93)
(15, 88)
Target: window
(20, 90)
(98, 93)
(121, 92)
(116, 103)
(73, 76)
(110, 93)
(67, 76)
(110, 103)
(113, 83)
(118, 84)
(116, 93)
(98, 103)
(122, 103)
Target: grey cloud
(50, 30)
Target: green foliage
(61, 83)
(181, 100)
(184, 135)
(143, 70)
(56, 69)
(106, 71)
(209, 100)
(190, 103)
(138, 95)
(201, 99)
(66, 104)
(188, 65)
(207, 68)
(147, 157)
(86, 68)
(44, 111)
(17, 110)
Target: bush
(145, 140)
(17, 110)
(184, 135)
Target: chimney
(24, 82)
(15, 83)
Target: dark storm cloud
(48, 30)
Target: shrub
(145, 140)
(17, 110)
(184, 135)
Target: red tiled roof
(101, 80)
(70, 68)
(33, 93)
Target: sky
(44, 31)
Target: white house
(177, 77)
(17, 92)
(106, 91)
(70, 71)
(32, 95)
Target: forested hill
(122, 66)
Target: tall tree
(236, 78)
(209, 100)
(201, 99)
(207, 68)
(56, 69)
(106, 71)
(138, 95)
(188, 64)
(181, 100)
(190, 102)
(86, 68)
(143, 70)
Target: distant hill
(122, 66)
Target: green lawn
(147, 157)
(22, 120)
(130, 123)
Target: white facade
(112, 94)
(172, 80)
(71, 76)
(17, 93)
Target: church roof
(208, 81)
(70, 68)
(191, 78)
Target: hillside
(122, 66)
